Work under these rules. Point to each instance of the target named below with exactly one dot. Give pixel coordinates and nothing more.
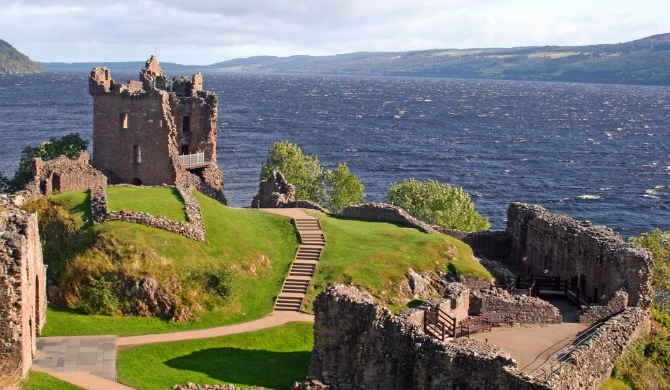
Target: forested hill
(644, 61)
(12, 61)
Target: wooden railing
(550, 285)
(439, 324)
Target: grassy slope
(614, 384)
(272, 358)
(235, 237)
(377, 255)
(166, 202)
(41, 381)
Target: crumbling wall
(360, 345)
(524, 309)
(615, 305)
(61, 175)
(592, 258)
(22, 288)
(195, 229)
(385, 212)
(590, 363)
(273, 192)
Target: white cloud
(208, 31)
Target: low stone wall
(303, 204)
(361, 345)
(385, 212)
(615, 305)
(22, 288)
(194, 230)
(524, 309)
(590, 364)
(193, 386)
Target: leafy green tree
(333, 189)
(438, 204)
(68, 145)
(342, 188)
(658, 242)
(304, 172)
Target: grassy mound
(257, 247)
(165, 202)
(271, 358)
(376, 256)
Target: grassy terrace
(238, 238)
(166, 202)
(377, 255)
(272, 358)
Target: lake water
(596, 152)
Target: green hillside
(644, 61)
(12, 61)
(253, 248)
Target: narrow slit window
(186, 124)
(123, 121)
(137, 154)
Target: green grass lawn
(614, 384)
(166, 202)
(377, 256)
(41, 381)
(240, 238)
(271, 358)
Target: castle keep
(156, 130)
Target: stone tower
(156, 130)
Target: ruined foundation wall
(22, 288)
(360, 345)
(600, 262)
(590, 364)
(524, 309)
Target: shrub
(219, 280)
(333, 189)
(658, 242)
(98, 298)
(437, 204)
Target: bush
(332, 189)
(98, 298)
(68, 145)
(216, 279)
(437, 204)
(658, 242)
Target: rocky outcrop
(361, 345)
(195, 229)
(524, 309)
(274, 192)
(146, 297)
(22, 288)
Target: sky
(202, 32)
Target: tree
(333, 189)
(342, 188)
(68, 145)
(438, 204)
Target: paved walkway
(94, 354)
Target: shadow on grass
(275, 370)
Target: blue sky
(207, 31)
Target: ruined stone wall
(590, 364)
(195, 229)
(600, 262)
(385, 212)
(60, 175)
(273, 192)
(615, 305)
(360, 345)
(22, 288)
(524, 309)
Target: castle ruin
(156, 130)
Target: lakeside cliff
(13, 61)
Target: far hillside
(13, 61)
(233, 277)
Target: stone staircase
(302, 269)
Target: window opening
(137, 154)
(186, 124)
(184, 149)
(123, 121)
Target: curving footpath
(74, 365)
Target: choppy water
(596, 152)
